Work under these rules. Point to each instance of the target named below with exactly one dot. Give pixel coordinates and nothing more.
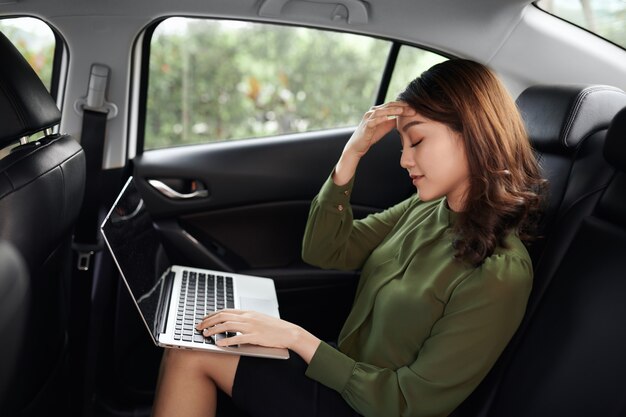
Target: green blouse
(424, 328)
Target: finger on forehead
(397, 103)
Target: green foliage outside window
(221, 80)
(606, 18)
(35, 41)
(410, 64)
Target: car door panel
(252, 221)
(253, 217)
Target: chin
(425, 196)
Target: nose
(406, 159)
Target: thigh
(276, 387)
(189, 365)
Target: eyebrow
(411, 123)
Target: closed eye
(413, 145)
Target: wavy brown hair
(506, 188)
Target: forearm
(345, 168)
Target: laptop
(172, 299)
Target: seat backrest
(570, 360)
(566, 123)
(567, 126)
(41, 192)
(13, 307)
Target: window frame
(143, 47)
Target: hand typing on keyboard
(198, 336)
(251, 327)
(201, 294)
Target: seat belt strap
(86, 239)
(87, 242)
(95, 114)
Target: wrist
(304, 344)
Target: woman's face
(435, 158)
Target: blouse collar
(445, 214)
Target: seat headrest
(559, 117)
(26, 107)
(615, 145)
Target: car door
(238, 200)
(250, 208)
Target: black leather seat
(566, 124)
(14, 304)
(568, 127)
(41, 192)
(570, 360)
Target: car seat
(567, 125)
(42, 184)
(13, 307)
(570, 358)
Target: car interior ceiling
(570, 338)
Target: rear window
(605, 18)
(35, 41)
(216, 80)
(411, 62)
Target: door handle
(169, 192)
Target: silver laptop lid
(136, 249)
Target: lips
(415, 178)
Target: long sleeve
(333, 239)
(483, 311)
(425, 328)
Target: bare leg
(188, 382)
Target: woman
(445, 276)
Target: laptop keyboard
(201, 294)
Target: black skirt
(279, 388)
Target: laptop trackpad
(258, 304)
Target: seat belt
(95, 112)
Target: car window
(411, 62)
(35, 41)
(605, 18)
(215, 80)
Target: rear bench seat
(571, 359)
(562, 360)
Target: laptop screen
(136, 248)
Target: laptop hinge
(164, 303)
